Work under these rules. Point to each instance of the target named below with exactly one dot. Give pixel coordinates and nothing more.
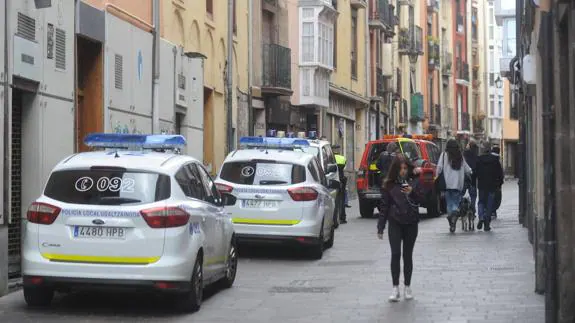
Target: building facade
(495, 96)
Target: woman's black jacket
(397, 206)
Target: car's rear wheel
(316, 251)
(192, 300)
(329, 243)
(366, 208)
(38, 296)
(231, 266)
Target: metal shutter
(60, 49)
(14, 226)
(26, 27)
(118, 72)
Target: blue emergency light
(119, 140)
(272, 142)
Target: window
(313, 171)
(190, 183)
(212, 193)
(491, 79)
(500, 107)
(354, 43)
(263, 172)
(320, 172)
(324, 158)
(509, 47)
(307, 42)
(492, 60)
(107, 187)
(491, 106)
(325, 44)
(491, 34)
(334, 43)
(235, 24)
(491, 16)
(210, 8)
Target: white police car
(128, 218)
(281, 196)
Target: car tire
(336, 212)
(316, 251)
(38, 296)
(366, 208)
(231, 266)
(192, 300)
(329, 243)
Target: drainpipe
(250, 69)
(229, 76)
(368, 73)
(156, 68)
(6, 134)
(551, 295)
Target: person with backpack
(489, 181)
(453, 168)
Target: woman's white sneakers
(394, 294)
(395, 297)
(407, 293)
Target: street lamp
(498, 82)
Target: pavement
(461, 277)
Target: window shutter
(60, 49)
(118, 72)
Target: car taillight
(302, 194)
(42, 213)
(223, 188)
(165, 217)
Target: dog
(466, 215)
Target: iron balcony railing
(382, 12)
(465, 121)
(460, 23)
(276, 66)
(447, 121)
(411, 41)
(435, 117)
(433, 5)
(380, 82)
(462, 70)
(447, 63)
(433, 53)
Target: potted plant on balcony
(403, 38)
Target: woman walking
(399, 208)
(470, 155)
(454, 169)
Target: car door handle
(203, 219)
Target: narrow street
(461, 277)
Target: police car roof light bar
(272, 142)
(117, 140)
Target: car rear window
(107, 187)
(410, 150)
(263, 173)
(376, 150)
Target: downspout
(551, 295)
(156, 68)
(229, 77)
(250, 69)
(367, 73)
(76, 29)
(6, 134)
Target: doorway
(90, 111)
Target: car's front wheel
(38, 296)
(231, 266)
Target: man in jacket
(341, 161)
(489, 175)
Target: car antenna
(116, 155)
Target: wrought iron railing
(465, 121)
(447, 63)
(382, 12)
(435, 117)
(433, 5)
(433, 52)
(380, 82)
(462, 70)
(276, 66)
(447, 121)
(411, 40)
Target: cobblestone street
(461, 277)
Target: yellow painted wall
(510, 127)
(186, 23)
(342, 74)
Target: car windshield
(107, 187)
(410, 150)
(311, 150)
(262, 173)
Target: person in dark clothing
(489, 173)
(399, 208)
(495, 151)
(471, 154)
(386, 158)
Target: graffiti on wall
(130, 127)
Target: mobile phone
(404, 185)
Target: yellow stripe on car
(264, 221)
(101, 259)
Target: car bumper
(167, 268)
(369, 195)
(74, 283)
(305, 229)
(276, 240)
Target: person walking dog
(399, 211)
(489, 182)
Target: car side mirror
(228, 200)
(334, 185)
(331, 168)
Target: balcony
(462, 73)
(433, 5)
(447, 118)
(276, 70)
(381, 16)
(432, 52)
(411, 41)
(446, 64)
(465, 121)
(358, 4)
(460, 24)
(479, 123)
(417, 113)
(380, 82)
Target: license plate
(258, 204)
(108, 233)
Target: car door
(222, 236)
(190, 181)
(327, 199)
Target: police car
(128, 218)
(281, 196)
